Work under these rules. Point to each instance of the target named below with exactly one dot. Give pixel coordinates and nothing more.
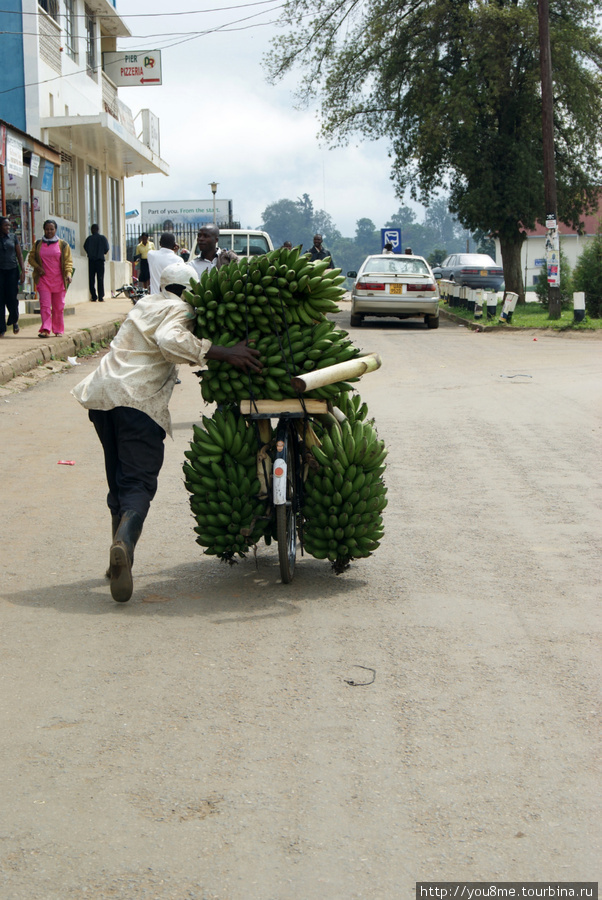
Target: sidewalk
(85, 323)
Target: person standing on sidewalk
(96, 247)
(52, 270)
(127, 399)
(140, 256)
(11, 260)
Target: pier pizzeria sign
(133, 68)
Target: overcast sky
(221, 121)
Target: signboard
(14, 156)
(553, 257)
(168, 213)
(539, 263)
(45, 177)
(150, 130)
(391, 236)
(34, 166)
(2, 145)
(129, 69)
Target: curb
(67, 345)
(475, 326)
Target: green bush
(566, 284)
(588, 276)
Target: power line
(217, 29)
(144, 15)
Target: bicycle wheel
(286, 513)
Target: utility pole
(547, 124)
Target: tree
(283, 221)
(367, 238)
(587, 276)
(455, 86)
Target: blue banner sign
(391, 236)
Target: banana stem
(353, 368)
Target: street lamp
(213, 186)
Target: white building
(572, 244)
(58, 98)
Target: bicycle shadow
(250, 590)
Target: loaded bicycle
(297, 460)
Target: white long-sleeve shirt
(139, 371)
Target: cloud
(220, 120)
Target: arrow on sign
(150, 81)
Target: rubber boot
(122, 555)
(115, 520)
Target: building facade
(572, 244)
(78, 140)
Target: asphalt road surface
(202, 742)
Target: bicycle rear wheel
(286, 513)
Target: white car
(391, 285)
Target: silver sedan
(389, 285)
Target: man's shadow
(248, 590)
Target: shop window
(70, 29)
(64, 189)
(51, 7)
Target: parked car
(391, 285)
(476, 270)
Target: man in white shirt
(210, 254)
(159, 259)
(127, 399)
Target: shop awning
(100, 138)
(30, 145)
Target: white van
(245, 242)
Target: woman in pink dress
(52, 270)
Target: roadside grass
(93, 348)
(530, 315)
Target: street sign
(391, 236)
(140, 67)
(539, 263)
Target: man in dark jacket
(11, 264)
(96, 247)
(318, 251)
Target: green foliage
(587, 276)
(566, 284)
(436, 257)
(455, 88)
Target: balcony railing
(50, 42)
(109, 97)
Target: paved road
(201, 742)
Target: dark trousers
(96, 273)
(134, 450)
(9, 288)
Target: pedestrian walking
(96, 247)
(127, 399)
(52, 270)
(12, 270)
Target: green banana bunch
(353, 408)
(345, 495)
(264, 293)
(301, 349)
(221, 475)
